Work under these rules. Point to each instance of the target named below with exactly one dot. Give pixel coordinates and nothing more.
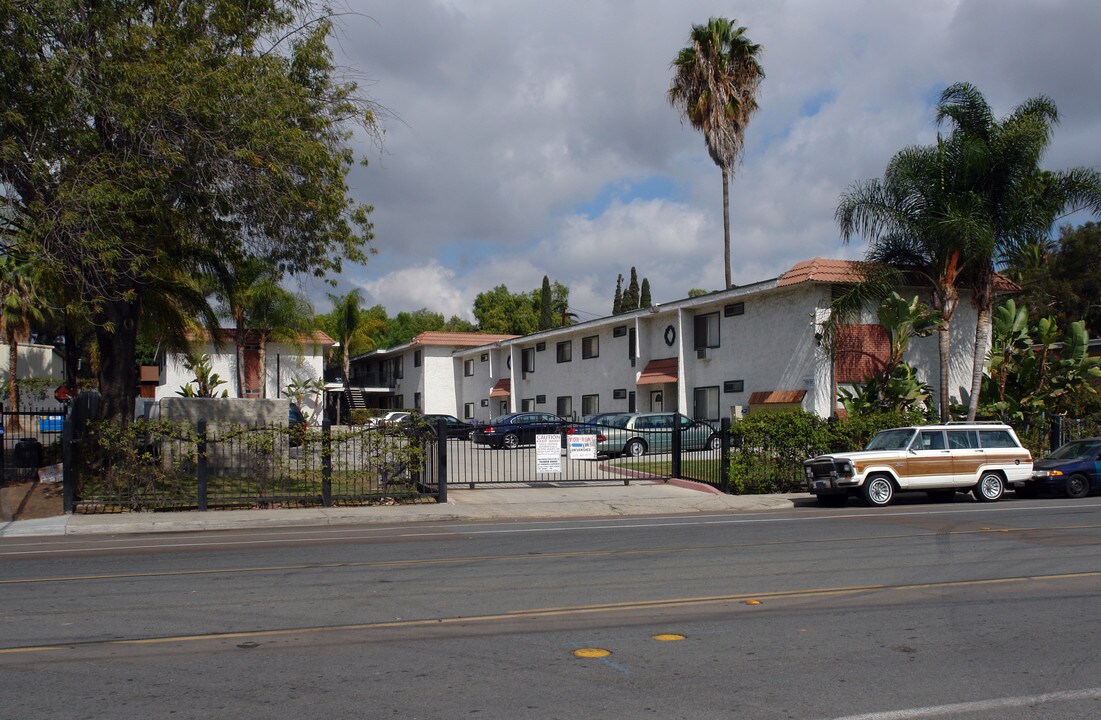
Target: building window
(417, 401)
(619, 331)
(485, 402)
(733, 386)
(565, 351)
(733, 309)
(399, 402)
(620, 394)
(527, 360)
(705, 403)
(468, 368)
(527, 405)
(540, 347)
(707, 331)
(416, 358)
(590, 347)
(485, 357)
(540, 399)
(468, 410)
(631, 342)
(590, 404)
(565, 406)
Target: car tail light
(571, 430)
(601, 438)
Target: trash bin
(27, 458)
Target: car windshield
(1078, 450)
(891, 439)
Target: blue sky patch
(624, 191)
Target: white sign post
(548, 453)
(582, 447)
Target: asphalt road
(920, 610)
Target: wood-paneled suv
(941, 460)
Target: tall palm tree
(276, 314)
(1019, 201)
(917, 224)
(714, 86)
(233, 286)
(350, 326)
(18, 309)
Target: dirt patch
(31, 500)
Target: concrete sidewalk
(503, 503)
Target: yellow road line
(630, 606)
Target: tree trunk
(982, 332)
(13, 388)
(726, 226)
(72, 356)
(116, 337)
(944, 348)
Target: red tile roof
(503, 388)
(458, 339)
(850, 271)
(657, 372)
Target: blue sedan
(1074, 469)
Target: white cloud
(516, 118)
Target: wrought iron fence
(30, 438)
(160, 465)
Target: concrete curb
(484, 504)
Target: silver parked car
(635, 434)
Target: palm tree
(1019, 201)
(276, 314)
(918, 226)
(349, 325)
(18, 309)
(715, 82)
(233, 286)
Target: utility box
(27, 458)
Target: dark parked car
(516, 429)
(1074, 469)
(456, 428)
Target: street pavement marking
(629, 606)
(979, 705)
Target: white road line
(978, 705)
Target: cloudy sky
(534, 138)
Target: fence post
(441, 460)
(675, 469)
(326, 464)
(202, 469)
(724, 455)
(68, 472)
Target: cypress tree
(617, 303)
(645, 301)
(546, 307)
(631, 296)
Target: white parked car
(982, 458)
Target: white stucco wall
(283, 363)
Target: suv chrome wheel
(878, 491)
(990, 487)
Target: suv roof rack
(974, 422)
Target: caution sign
(548, 453)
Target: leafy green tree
(1061, 277)
(714, 86)
(896, 388)
(1018, 201)
(1032, 369)
(503, 312)
(697, 292)
(144, 140)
